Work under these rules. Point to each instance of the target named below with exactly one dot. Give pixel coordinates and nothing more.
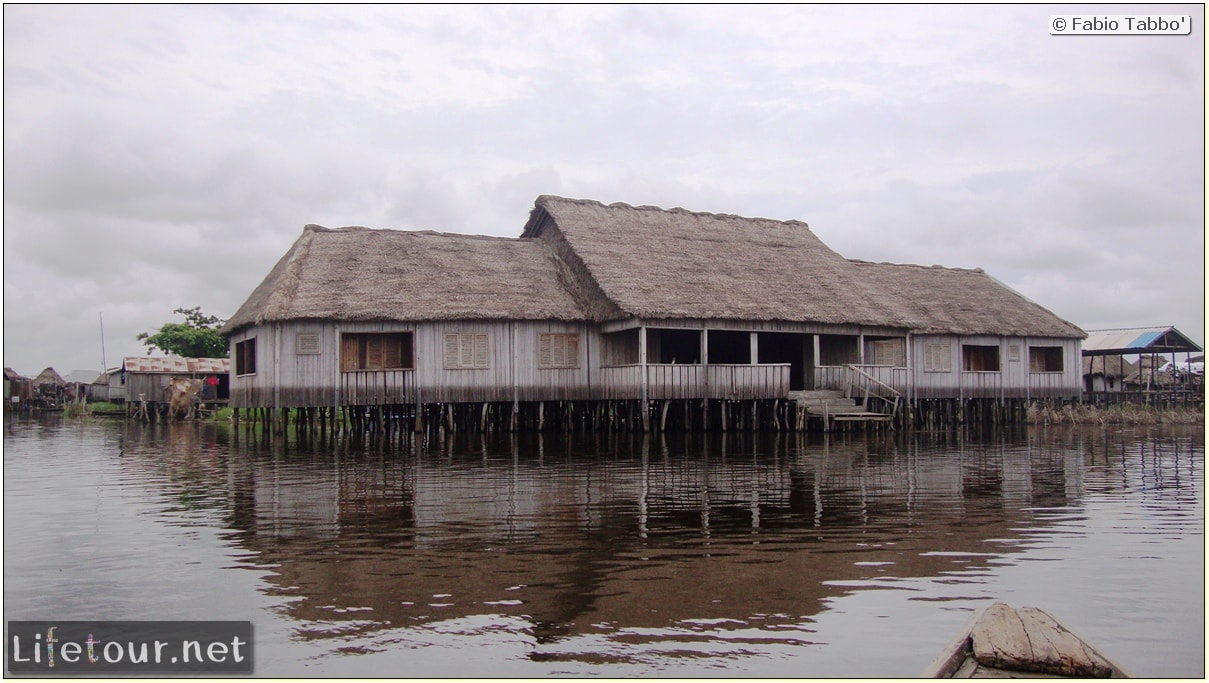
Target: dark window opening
(673, 346)
(979, 358)
(620, 348)
(785, 347)
(376, 351)
(727, 347)
(245, 357)
(1045, 359)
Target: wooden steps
(831, 406)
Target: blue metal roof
(1137, 340)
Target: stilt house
(614, 302)
(146, 378)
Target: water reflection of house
(626, 533)
(624, 303)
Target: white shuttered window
(557, 350)
(938, 358)
(465, 350)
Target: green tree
(197, 337)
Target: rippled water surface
(611, 554)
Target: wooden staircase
(831, 407)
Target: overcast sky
(159, 157)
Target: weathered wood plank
(1031, 640)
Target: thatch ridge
(362, 274)
(542, 199)
(966, 301)
(657, 263)
(583, 260)
(675, 264)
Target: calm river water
(612, 554)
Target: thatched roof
(1109, 366)
(13, 376)
(582, 260)
(49, 376)
(355, 273)
(672, 263)
(932, 299)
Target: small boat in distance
(1002, 642)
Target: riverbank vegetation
(1121, 414)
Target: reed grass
(1123, 414)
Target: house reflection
(584, 533)
(616, 532)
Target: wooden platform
(831, 406)
(1002, 642)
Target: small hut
(1106, 373)
(18, 389)
(147, 378)
(50, 389)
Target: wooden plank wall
(310, 380)
(295, 379)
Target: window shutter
(392, 354)
(451, 351)
(572, 350)
(466, 351)
(543, 350)
(373, 352)
(348, 353)
(938, 357)
(890, 352)
(480, 350)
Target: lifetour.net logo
(98, 647)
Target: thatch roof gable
(938, 300)
(673, 263)
(13, 376)
(356, 273)
(1109, 366)
(49, 376)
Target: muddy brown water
(611, 554)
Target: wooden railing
(867, 386)
(681, 381)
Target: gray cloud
(167, 156)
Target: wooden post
(642, 361)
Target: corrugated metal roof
(1136, 340)
(200, 366)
